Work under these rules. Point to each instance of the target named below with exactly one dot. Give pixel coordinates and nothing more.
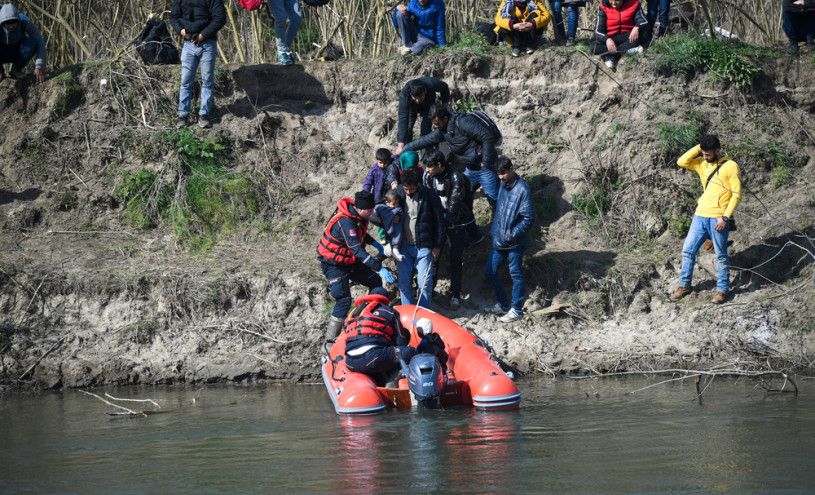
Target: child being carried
(388, 216)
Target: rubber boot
(334, 328)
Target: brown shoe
(680, 293)
(719, 298)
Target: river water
(569, 436)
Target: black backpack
(155, 46)
(490, 124)
(487, 30)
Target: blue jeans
(489, 181)
(411, 37)
(191, 57)
(516, 271)
(661, 9)
(339, 283)
(19, 54)
(421, 260)
(573, 16)
(798, 27)
(284, 32)
(701, 229)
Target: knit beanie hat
(408, 159)
(363, 200)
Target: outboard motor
(425, 380)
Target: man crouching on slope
(722, 192)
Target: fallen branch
(265, 336)
(551, 309)
(128, 412)
(133, 400)
(691, 373)
(26, 372)
(92, 232)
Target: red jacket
(611, 21)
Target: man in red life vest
(343, 256)
(374, 332)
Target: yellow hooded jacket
(508, 14)
(723, 192)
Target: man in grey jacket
(19, 42)
(514, 216)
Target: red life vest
(620, 21)
(363, 321)
(334, 249)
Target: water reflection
(288, 439)
(362, 446)
(481, 452)
(454, 451)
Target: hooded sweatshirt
(25, 28)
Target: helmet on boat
(423, 326)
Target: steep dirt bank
(89, 299)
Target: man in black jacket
(798, 20)
(455, 193)
(422, 237)
(416, 98)
(198, 22)
(472, 139)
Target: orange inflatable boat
(473, 375)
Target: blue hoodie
(24, 29)
(430, 19)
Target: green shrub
(469, 39)
(592, 204)
(467, 104)
(145, 199)
(212, 201)
(781, 176)
(688, 54)
(71, 92)
(677, 137)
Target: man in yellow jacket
(721, 196)
(521, 23)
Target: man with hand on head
(722, 193)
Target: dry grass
(84, 30)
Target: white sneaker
(609, 61)
(512, 315)
(637, 49)
(403, 50)
(496, 310)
